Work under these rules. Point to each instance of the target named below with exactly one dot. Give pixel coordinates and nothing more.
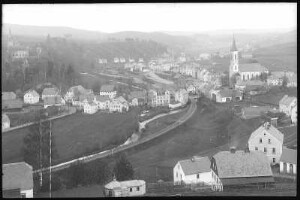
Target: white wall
(29, 193)
(288, 168)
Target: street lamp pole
(50, 147)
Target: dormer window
(260, 140)
(269, 141)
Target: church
(244, 71)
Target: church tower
(234, 61)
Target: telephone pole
(50, 148)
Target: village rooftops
(17, 175)
(121, 99)
(288, 155)
(241, 164)
(50, 91)
(33, 92)
(286, 100)
(137, 94)
(252, 67)
(124, 184)
(270, 129)
(107, 88)
(102, 98)
(77, 88)
(195, 165)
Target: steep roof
(120, 184)
(251, 67)
(17, 175)
(121, 99)
(233, 46)
(52, 100)
(12, 104)
(242, 164)
(289, 155)
(286, 100)
(50, 91)
(107, 88)
(226, 92)
(195, 165)
(271, 130)
(137, 94)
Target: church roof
(233, 46)
(252, 67)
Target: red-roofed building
(196, 170)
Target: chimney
(232, 149)
(267, 125)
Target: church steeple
(233, 46)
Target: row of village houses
(219, 172)
(119, 60)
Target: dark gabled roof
(287, 100)
(8, 95)
(247, 180)
(289, 156)
(102, 98)
(50, 91)
(137, 94)
(242, 164)
(252, 67)
(17, 175)
(250, 112)
(107, 88)
(195, 165)
(12, 104)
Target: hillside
(278, 57)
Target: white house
(196, 170)
(108, 90)
(269, 140)
(17, 180)
(182, 96)
(159, 98)
(5, 122)
(288, 161)
(20, 54)
(90, 108)
(117, 106)
(125, 188)
(137, 98)
(31, 97)
(122, 60)
(286, 104)
(294, 114)
(116, 60)
(102, 102)
(54, 101)
(74, 92)
(225, 95)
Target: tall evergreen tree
(123, 169)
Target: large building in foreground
(246, 71)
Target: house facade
(50, 92)
(8, 96)
(269, 140)
(90, 108)
(102, 102)
(196, 170)
(17, 177)
(5, 122)
(159, 98)
(294, 114)
(108, 90)
(226, 95)
(31, 97)
(125, 188)
(182, 96)
(54, 101)
(286, 104)
(288, 161)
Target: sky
(182, 17)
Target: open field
(275, 95)
(100, 131)
(158, 79)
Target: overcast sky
(155, 17)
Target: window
(23, 195)
(274, 150)
(265, 149)
(176, 174)
(274, 160)
(197, 176)
(260, 140)
(138, 188)
(256, 148)
(130, 189)
(269, 141)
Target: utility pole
(40, 147)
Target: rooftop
(251, 67)
(50, 91)
(17, 175)
(195, 165)
(131, 183)
(288, 155)
(107, 88)
(242, 164)
(271, 130)
(286, 100)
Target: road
(85, 159)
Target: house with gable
(269, 140)
(242, 168)
(108, 90)
(125, 188)
(196, 170)
(159, 98)
(294, 114)
(74, 92)
(182, 96)
(226, 95)
(288, 161)
(50, 92)
(286, 104)
(137, 98)
(102, 102)
(90, 108)
(17, 180)
(6, 96)
(31, 97)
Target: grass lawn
(75, 133)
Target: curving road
(184, 118)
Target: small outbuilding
(125, 188)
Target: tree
(50, 68)
(96, 87)
(76, 174)
(123, 169)
(284, 82)
(263, 76)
